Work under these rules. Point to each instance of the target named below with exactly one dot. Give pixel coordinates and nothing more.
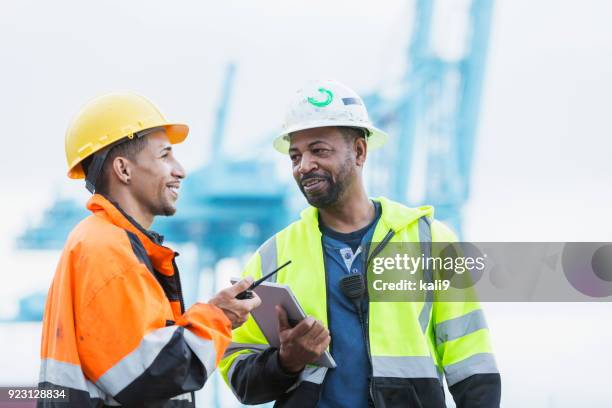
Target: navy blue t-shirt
(347, 384)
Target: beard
(163, 206)
(335, 189)
(168, 210)
(163, 209)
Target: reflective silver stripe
(458, 327)
(62, 374)
(425, 238)
(230, 373)
(440, 375)
(95, 392)
(134, 364)
(425, 314)
(70, 375)
(186, 396)
(204, 349)
(404, 367)
(425, 230)
(482, 363)
(234, 347)
(269, 261)
(311, 374)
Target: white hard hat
(327, 103)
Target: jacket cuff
(276, 367)
(221, 315)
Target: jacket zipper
(179, 288)
(375, 252)
(177, 279)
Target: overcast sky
(544, 140)
(542, 167)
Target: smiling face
(324, 164)
(156, 175)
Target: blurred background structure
(420, 66)
(229, 207)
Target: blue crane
(227, 207)
(433, 121)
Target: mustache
(308, 176)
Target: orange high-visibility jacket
(115, 331)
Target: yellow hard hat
(108, 119)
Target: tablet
(272, 294)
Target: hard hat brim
(176, 133)
(376, 137)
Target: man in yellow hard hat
(388, 353)
(115, 330)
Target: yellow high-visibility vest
(408, 340)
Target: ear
(122, 169)
(361, 150)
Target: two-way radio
(248, 294)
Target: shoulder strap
(269, 261)
(425, 240)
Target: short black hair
(128, 149)
(352, 133)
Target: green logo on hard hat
(329, 96)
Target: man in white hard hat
(388, 354)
